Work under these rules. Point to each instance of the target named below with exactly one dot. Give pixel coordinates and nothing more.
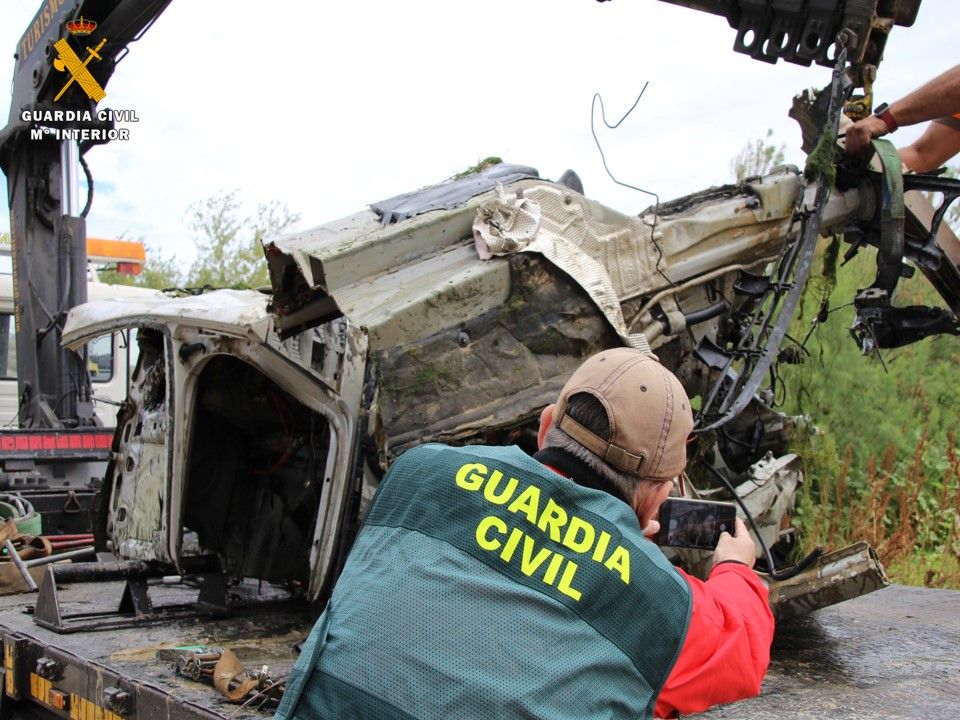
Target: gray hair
(589, 412)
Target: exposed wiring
(822, 315)
(14, 422)
(765, 321)
(796, 342)
(736, 441)
(287, 421)
(876, 348)
(89, 176)
(603, 157)
(35, 296)
(264, 694)
(783, 574)
(54, 321)
(699, 280)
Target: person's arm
(727, 647)
(938, 98)
(931, 150)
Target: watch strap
(883, 112)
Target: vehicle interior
(255, 473)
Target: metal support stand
(135, 606)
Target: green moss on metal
(519, 295)
(425, 378)
(515, 303)
(830, 256)
(820, 161)
(432, 377)
(482, 165)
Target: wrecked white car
(259, 424)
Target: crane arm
(64, 60)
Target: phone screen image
(694, 523)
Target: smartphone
(694, 523)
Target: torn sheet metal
(610, 256)
(222, 668)
(837, 576)
(769, 493)
(496, 371)
(400, 282)
(138, 479)
(231, 679)
(231, 312)
(421, 275)
(264, 477)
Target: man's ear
(647, 499)
(546, 420)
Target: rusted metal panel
(493, 374)
(837, 576)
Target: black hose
(783, 574)
(704, 314)
(89, 175)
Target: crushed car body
(231, 441)
(263, 423)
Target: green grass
(884, 463)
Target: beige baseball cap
(647, 407)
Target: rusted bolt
(47, 668)
(116, 700)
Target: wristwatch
(882, 111)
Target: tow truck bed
(882, 655)
(90, 664)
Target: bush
(896, 482)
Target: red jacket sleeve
(727, 649)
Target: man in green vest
(489, 584)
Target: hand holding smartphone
(694, 523)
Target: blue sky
(328, 107)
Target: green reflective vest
(483, 585)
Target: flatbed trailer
(128, 672)
(890, 654)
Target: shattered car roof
(232, 312)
